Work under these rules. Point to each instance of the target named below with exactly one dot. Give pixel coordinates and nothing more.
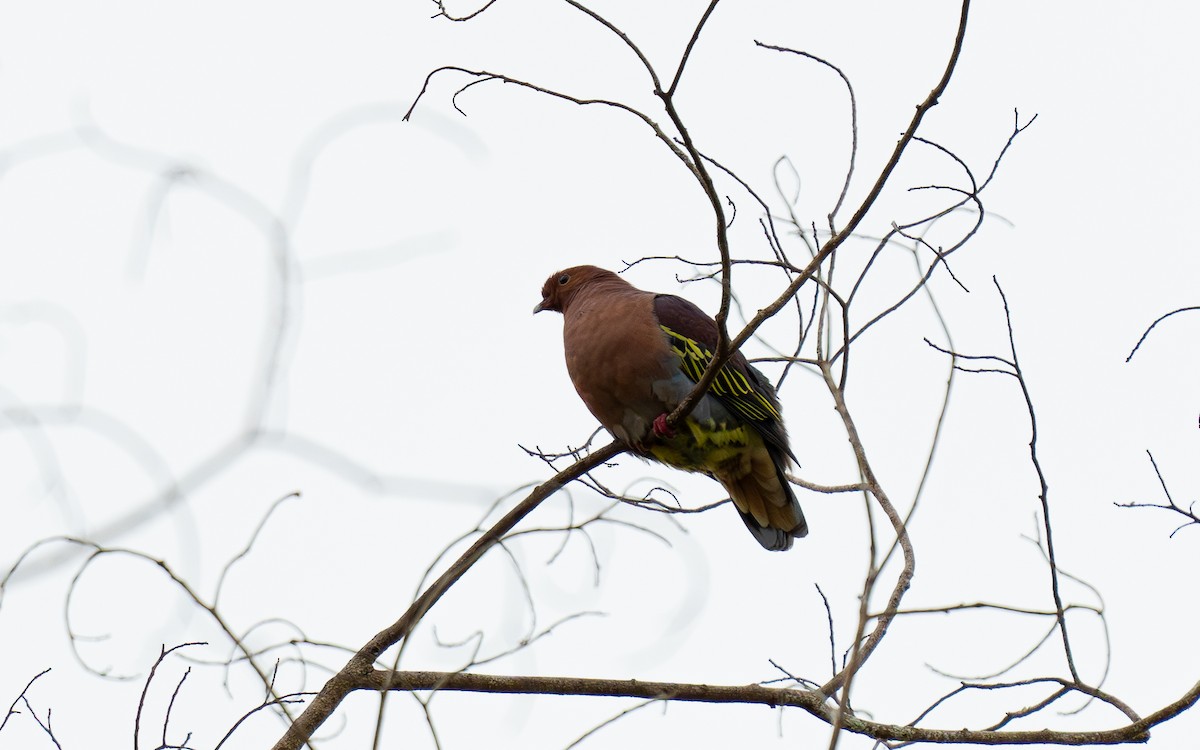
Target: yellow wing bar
(730, 385)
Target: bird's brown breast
(615, 351)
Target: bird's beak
(539, 307)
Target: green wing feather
(731, 385)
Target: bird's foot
(661, 428)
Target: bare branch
(12, 708)
(362, 662)
(137, 719)
(832, 217)
(1189, 512)
(1155, 323)
(812, 701)
(1043, 494)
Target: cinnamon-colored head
(561, 287)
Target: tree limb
(812, 701)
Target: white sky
(416, 251)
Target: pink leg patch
(661, 428)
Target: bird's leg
(661, 428)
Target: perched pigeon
(634, 356)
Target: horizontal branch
(948, 608)
(827, 488)
(811, 701)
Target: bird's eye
(564, 279)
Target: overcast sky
(212, 217)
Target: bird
(634, 355)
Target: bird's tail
(765, 500)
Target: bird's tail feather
(766, 502)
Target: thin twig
(1043, 495)
(137, 717)
(1155, 323)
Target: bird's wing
(741, 388)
